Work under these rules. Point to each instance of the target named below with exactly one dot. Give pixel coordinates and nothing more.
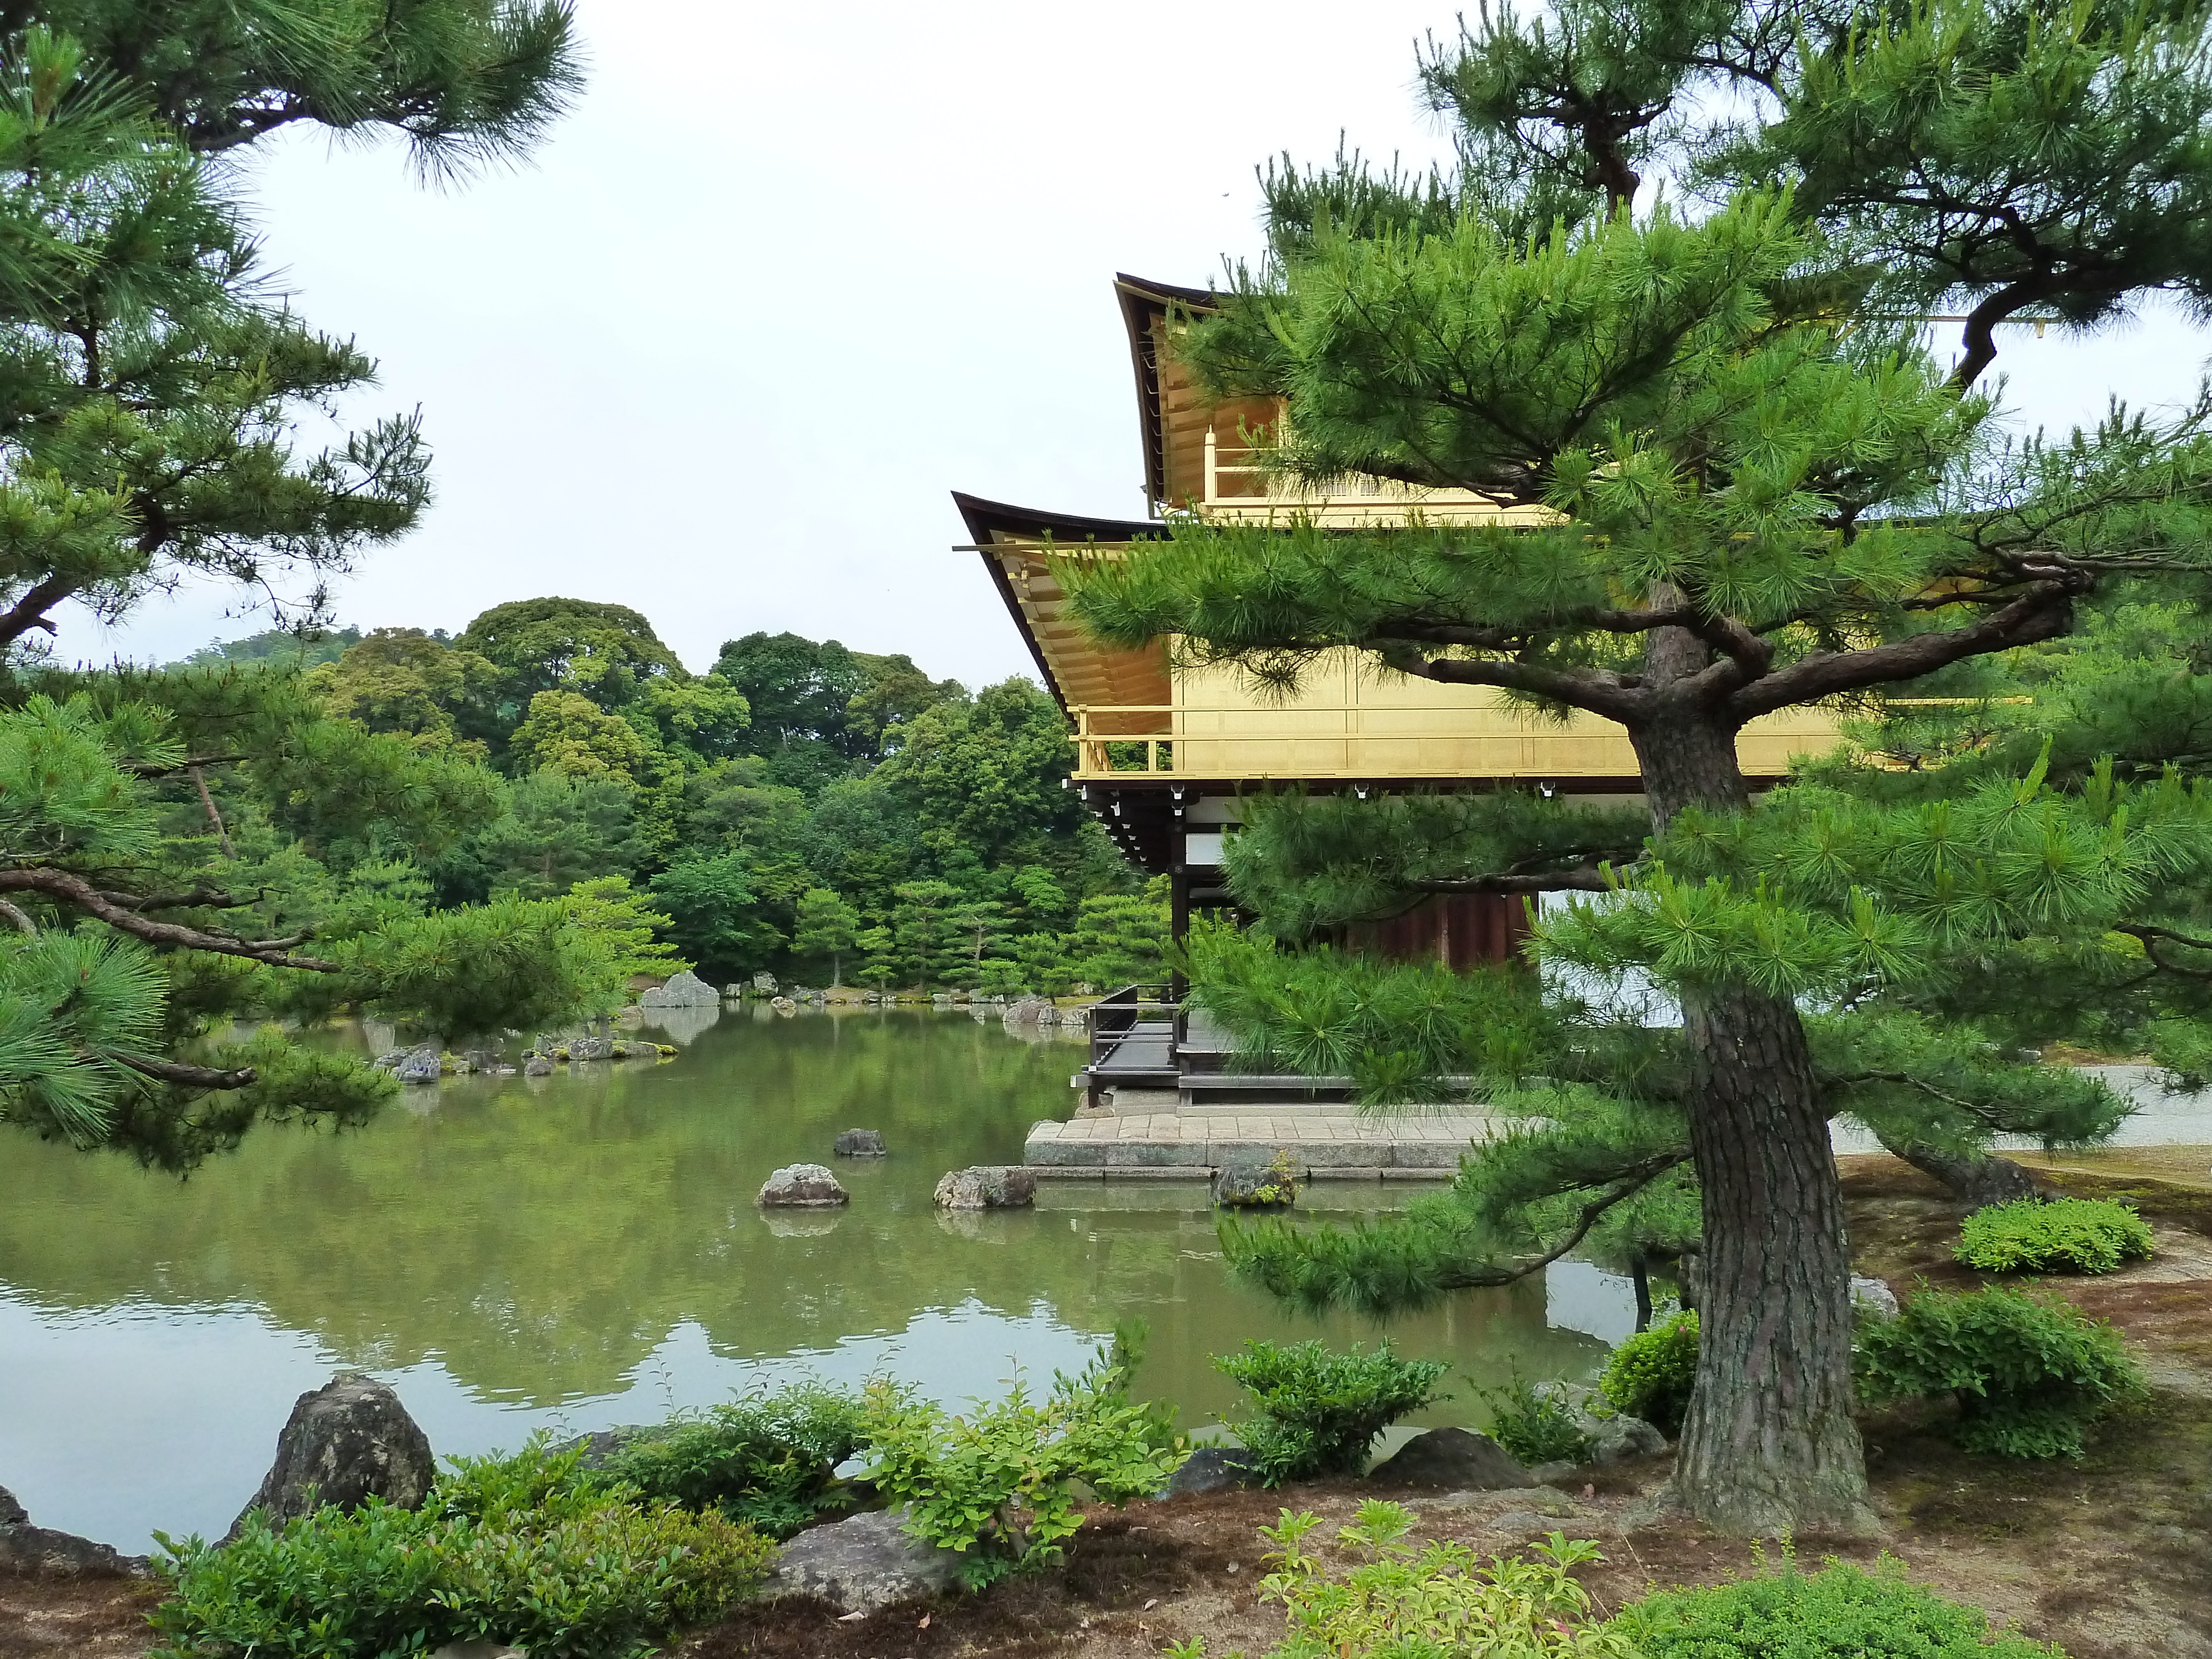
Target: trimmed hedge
(2062, 1235)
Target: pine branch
(1585, 878)
(2152, 937)
(29, 612)
(2043, 612)
(1632, 1182)
(1595, 690)
(61, 885)
(189, 1077)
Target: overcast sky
(789, 275)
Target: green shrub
(1651, 1374)
(768, 1461)
(2064, 1236)
(1537, 1425)
(1437, 1601)
(2030, 1374)
(1319, 1410)
(1840, 1613)
(1001, 1485)
(529, 1549)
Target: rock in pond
(592, 1048)
(1249, 1184)
(348, 1440)
(1452, 1459)
(863, 1562)
(987, 1187)
(417, 1066)
(860, 1143)
(783, 1005)
(801, 1187)
(1214, 1468)
(537, 1065)
(684, 990)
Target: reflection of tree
(541, 1241)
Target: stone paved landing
(1163, 1140)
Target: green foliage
(2061, 1235)
(1651, 1374)
(1319, 1410)
(767, 1461)
(1436, 1601)
(617, 920)
(512, 964)
(1001, 1485)
(1841, 1612)
(2031, 1375)
(714, 914)
(527, 1549)
(825, 926)
(1537, 1425)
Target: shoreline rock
(684, 990)
(347, 1441)
(30, 1552)
(864, 1563)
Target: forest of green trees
(819, 812)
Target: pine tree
(1762, 492)
(185, 850)
(827, 927)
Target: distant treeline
(817, 812)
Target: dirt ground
(2110, 1557)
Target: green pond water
(578, 1251)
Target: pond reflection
(582, 1251)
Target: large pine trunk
(1769, 1445)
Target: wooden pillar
(1178, 926)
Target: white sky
(788, 275)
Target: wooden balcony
(1241, 487)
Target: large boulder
(418, 1065)
(860, 1143)
(1248, 1184)
(1026, 1011)
(1214, 1468)
(863, 1562)
(1452, 1459)
(764, 982)
(592, 1048)
(537, 1065)
(801, 1187)
(347, 1441)
(987, 1187)
(684, 990)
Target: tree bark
(1768, 1446)
(1978, 1178)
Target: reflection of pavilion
(1164, 753)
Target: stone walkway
(1413, 1147)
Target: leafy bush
(1841, 1613)
(1437, 1601)
(2030, 1374)
(529, 1549)
(1537, 1425)
(1002, 1485)
(768, 1461)
(1651, 1374)
(2064, 1236)
(1319, 1410)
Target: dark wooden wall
(1461, 930)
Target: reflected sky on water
(573, 1252)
